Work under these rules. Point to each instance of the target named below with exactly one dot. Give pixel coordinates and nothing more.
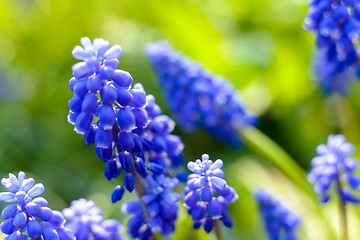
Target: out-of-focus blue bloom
(327, 76)
(196, 98)
(27, 215)
(279, 221)
(86, 221)
(337, 27)
(156, 211)
(126, 125)
(207, 195)
(334, 170)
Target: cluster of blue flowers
(27, 215)
(279, 221)
(135, 141)
(334, 170)
(337, 26)
(130, 133)
(126, 126)
(196, 98)
(207, 195)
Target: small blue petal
(108, 94)
(80, 88)
(81, 69)
(129, 182)
(124, 97)
(9, 211)
(45, 214)
(65, 234)
(33, 208)
(7, 197)
(142, 119)
(113, 63)
(72, 116)
(104, 153)
(89, 136)
(112, 169)
(126, 141)
(83, 122)
(20, 220)
(50, 233)
(208, 225)
(139, 98)
(206, 194)
(75, 103)
(16, 236)
(114, 52)
(140, 167)
(117, 194)
(57, 219)
(36, 190)
(34, 229)
(126, 119)
(90, 103)
(93, 83)
(125, 161)
(7, 226)
(122, 78)
(103, 138)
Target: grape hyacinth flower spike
(131, 135)
(337, 25)
(333, 170)
(279, 222)
(125, 124)
(27, 215)
(333, 173)
(196, 98)
(86, 221)
(207, 195)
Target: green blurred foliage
(259, 46)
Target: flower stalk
(274, 154)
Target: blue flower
(125, 124)
(207, 195)
(27, 215)
(337, 26)
(86, 221)
(156, 211)
(279, 221)
(334, 170)
(196, 98)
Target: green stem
(217, 230)
(275, 155)
(343, 220)
(342, 213)
(338, 112)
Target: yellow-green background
(259, 46)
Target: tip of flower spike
(332, 156)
